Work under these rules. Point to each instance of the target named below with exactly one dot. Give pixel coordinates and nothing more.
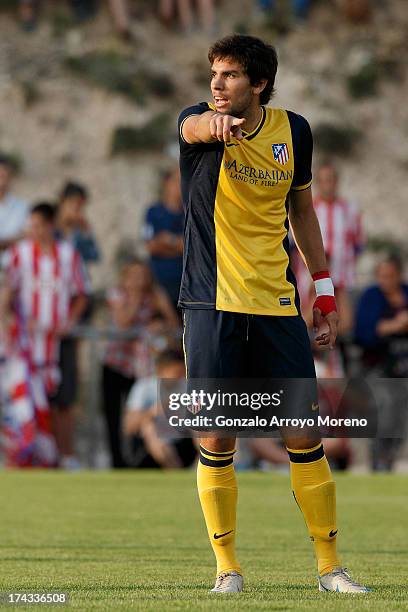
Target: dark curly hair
(258, 59)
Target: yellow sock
(315, 493)
(217, 489)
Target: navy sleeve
(197, 109)
(302, 141)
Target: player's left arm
(306, 231)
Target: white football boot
(228, 582)
(340, 581)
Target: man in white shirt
(13, 211)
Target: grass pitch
(136, 541)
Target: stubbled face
(388, 277)
(230, 86)
(327, 182)
(39, 229)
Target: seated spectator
(44, 297)
(145, 418)
(382, 321)
(168, 9)
(13, 210)
(381, 330)
(163, 233)
(134, 305)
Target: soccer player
(246, 169)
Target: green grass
(136, 541)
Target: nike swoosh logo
(315, 406)
(332, 533)
(221, 535)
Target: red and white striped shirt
(340, 224)
(45, 284)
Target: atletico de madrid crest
(281, 153)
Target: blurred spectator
(163, 232)
(382, 322)
(44, 297)
(83, 9)
(299, 7)
(340, 224)
(72, 224)
(145, 418)
(28, 10)
(136, 303)
(13, 210)
(168, 9)
(121, 18)
(381, 330)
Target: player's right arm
(210, 127)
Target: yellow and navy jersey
(236, 198)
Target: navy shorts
(222, 344)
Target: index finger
(236, 132)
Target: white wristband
(324, 286)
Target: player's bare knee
(302, 442)
(218, 445)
